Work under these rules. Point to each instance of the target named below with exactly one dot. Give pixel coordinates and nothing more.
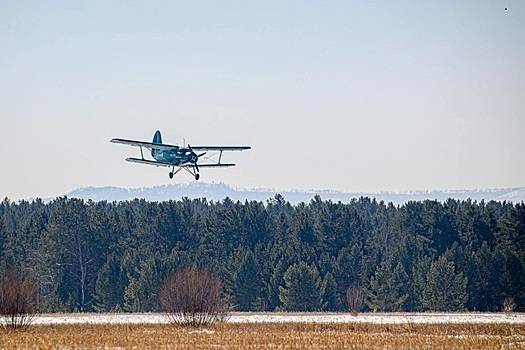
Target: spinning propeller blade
(195, 157)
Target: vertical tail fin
(157, 138)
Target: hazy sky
(356, 96)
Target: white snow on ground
(387, 318)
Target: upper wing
(220, 148)
(212, 165)
(152, 162)
(148, 145)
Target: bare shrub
(508, 305)
(193, 298)
(354, 299)
(17, 300)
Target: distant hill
(217, 192)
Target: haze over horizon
(340, 96)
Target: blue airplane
(172, 156)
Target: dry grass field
(267, 336)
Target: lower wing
(157, 164)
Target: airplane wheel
(197, 176)
(170, 175)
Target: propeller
(195, 157)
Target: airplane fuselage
(176, 156)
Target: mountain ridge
(219, 191)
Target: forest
(270, 256)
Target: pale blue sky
(356, 96)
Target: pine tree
(141, 294)
(68, 246)
(446, 288)
(302, 288)
(387, 288)
(347, 268)
(303, 227)
(418, 282)
(331, 301)
(482, 272)
(275, 281)
(109, 288)
(246, 283)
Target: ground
(305, 334)
(268, 336)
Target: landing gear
(192, 170)
(173, 172)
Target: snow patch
(378, 318)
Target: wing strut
(141, 154)
(220, 156)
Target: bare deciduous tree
(508, 305)
(193, 298)
(354, 299)
(17, 300)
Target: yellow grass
(268, 336)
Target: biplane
(178, 158)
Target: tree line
(420, 256)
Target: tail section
(157, 139)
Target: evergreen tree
(275, 281)
(109, 287)
(68, 250)
(302, 288)
(348, 267)
(418, 283)
(330, 298)
(387, 288)
(446, 288)
(511, 278)
(482, 271)
(141, 294)
(246, 283)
